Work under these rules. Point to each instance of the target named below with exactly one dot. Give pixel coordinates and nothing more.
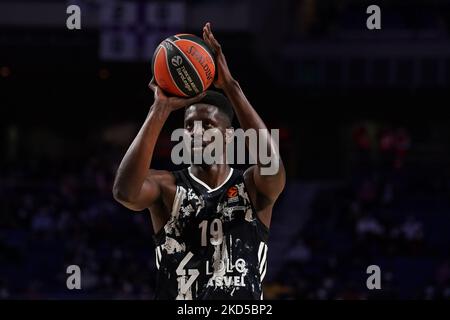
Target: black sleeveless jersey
(213, 246)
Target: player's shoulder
(248, 178)
(252, 187)
(248, 173)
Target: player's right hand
(172, 103)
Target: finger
(211, 39)
(207, 41)
(214, 44)
(211, 35)
(207, 29)
(206, 32)
(160, 92)
(210, 43)
(156, 92)
(152, 84)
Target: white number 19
(215, 230)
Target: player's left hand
(172, 103)
(223, 72)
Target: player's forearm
(249, 119)
(246, 114)
(134, 167)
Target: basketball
(183, 65)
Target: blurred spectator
(368, 225)
(411, 229)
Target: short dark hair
(220, 101)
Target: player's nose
(198, 128)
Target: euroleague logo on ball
(176, 61)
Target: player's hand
(223, 72)
(172, 103)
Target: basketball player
(211, 222)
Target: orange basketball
(183, 65)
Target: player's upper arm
(149, 193)
(269, 186)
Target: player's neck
(213, 175)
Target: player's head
(214, 111)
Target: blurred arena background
(364, 136)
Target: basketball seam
(190, 63)
(168, 70)
(198, 44)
